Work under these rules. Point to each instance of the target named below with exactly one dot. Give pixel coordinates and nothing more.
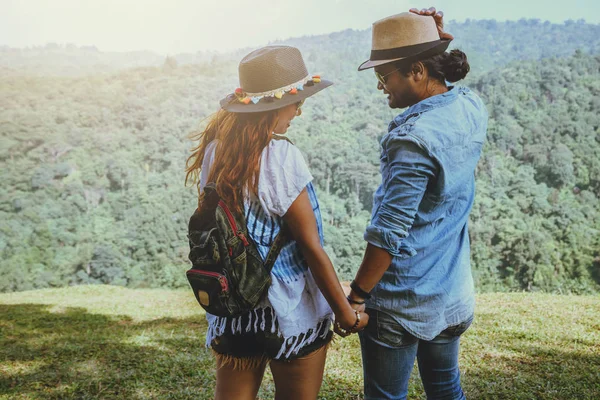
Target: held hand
(364, 320)
(438, 16)
(346, 325)
(359, 307)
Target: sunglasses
(381, 78)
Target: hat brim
(232, 104)
(437, 47)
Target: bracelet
(354, 286)
(351, 301)
(346, 332)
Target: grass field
(104, 342)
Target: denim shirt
(421, 211)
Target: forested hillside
(93, 164)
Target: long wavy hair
(236, 166)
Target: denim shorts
(264, 344)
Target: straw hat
(405, 36)
(270, 78)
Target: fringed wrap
(258, 322)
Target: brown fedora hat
(270, 78)
(404, 36)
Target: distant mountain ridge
(490, 44)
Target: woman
(241, 150)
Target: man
(415, 279)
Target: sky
(177, 26)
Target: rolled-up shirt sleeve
(410, 171)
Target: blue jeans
(389, 352)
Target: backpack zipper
(222, 279)
(233, 224)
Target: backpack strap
(275, 249)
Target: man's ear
(418, 71)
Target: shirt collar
(425, 105)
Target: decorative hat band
(247, 97)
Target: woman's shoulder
(282, 153)
(281, 145)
